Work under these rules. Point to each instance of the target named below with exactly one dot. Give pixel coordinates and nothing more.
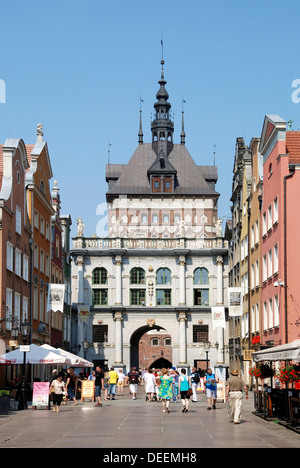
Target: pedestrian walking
(234, 395)
(165, 390)
(99, 385)
(52, 377)
(71, 385)
(134, 380)
(210, 382)
(57, 389)
(184, 387)
(195, 379)
(113, 379)
(121, 383)
(150, 383)
(106, 385)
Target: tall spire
(162, 127)
(141, 135)
(182, 135)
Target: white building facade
(164, 264)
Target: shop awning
(286, 352)
(35, 355)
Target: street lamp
(25, 331)
(206, 349)
(85, 345)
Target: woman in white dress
(150, 384)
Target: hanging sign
(218, 317)
(235, 302)
(56, 295)
(83, 313)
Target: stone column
(118, 345)
(182, 338)
(118, 262)
(182, 285)
(80, 264)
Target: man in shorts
(134, 380)
(210, 382)
(113, 380)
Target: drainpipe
(292, 171)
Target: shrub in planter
(4, 401)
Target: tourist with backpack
(133, 380)
(210, 382)
(195, 379)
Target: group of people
(162, 385)
(63, 386)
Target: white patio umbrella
(76, 361)
(36, 355)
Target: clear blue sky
(79, 67)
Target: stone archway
(141, 356)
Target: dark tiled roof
(132, 178)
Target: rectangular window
(18, 220)
(100, 333)
(99, 297)
(265, 268)
(25, 314)
(25, 268)
(275, 258)
(36, 219)
(42, 226)
(270, 222)
(271, 313)
(270, 264)
(256, 232)
(265, 324)
(9, 256)
(256, 273)
(201, 297)
(137, 296)
(42, 261)
(163, 297)
(264, 226)
(18, 263)
(252, 240)
(17, 307)
(276, 311)
(8, 315)
(200, 333)
(35, 303)
(252, 280)
(36, 256)
(275, 210)
(257, 317)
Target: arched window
(99, 276)
(163, 276)
(137, 276)
(201, 276)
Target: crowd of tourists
(162, 385)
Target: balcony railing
(107, 243)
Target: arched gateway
(149, 345)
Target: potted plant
(288, 373)
(4, 401)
